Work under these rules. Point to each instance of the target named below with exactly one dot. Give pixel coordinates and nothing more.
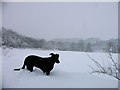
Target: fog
(52, 20)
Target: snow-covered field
(0, 67)
(72, 72)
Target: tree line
(13, 39)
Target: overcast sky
(62, 20)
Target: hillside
(0, 37)
(15, 40)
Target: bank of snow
(0, 68)
(72, 72)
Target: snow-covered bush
(111, 68)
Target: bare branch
(110, 56)
(97, 63)
(92, 68)
(111, 69)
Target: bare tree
(111, 69)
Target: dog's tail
(18, 69)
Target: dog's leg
(47, 73)
(44, 71)
(30, 68)
(23, 66)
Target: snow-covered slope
(0, 67)
(72, 72)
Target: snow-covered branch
(111, 69)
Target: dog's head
(55, 57)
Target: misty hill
(0, 37)
(90, 44)
(15, 40)
(75, 40)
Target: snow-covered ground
(0, 68)
(72, 72)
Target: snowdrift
(72, 72)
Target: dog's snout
(58, 61)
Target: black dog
(45, 64)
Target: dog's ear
(51, 54)
(57, 55)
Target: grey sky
(0, 15)
(62, 20)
